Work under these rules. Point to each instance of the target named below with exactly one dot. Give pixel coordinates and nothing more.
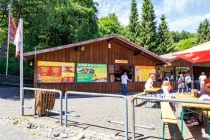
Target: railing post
(126, 118)
(100, 95)
(133, 119)
(61, 108)
(66, 108)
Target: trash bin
(44, 101)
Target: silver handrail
(47, 90)
(99, 95)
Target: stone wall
(9, 78)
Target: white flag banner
(18, 39)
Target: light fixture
(31, 64)
(83, 48)
(109, 45)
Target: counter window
(119, 70)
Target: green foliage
(164, 40)
(203, 32)
(51, 23)
(3, 38)
(178, 36)
(148, 27)
(186, 44)
(133, 27)
(13, 67)
(109, 25)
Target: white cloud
(188, 23)
(169, 7)
(119, 7)
(177, 12)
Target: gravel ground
(94, 113)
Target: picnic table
(192, 108)
(151, 91)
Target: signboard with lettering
(55, 72)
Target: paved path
(93, 111)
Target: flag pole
(21, 68)
(8, 39)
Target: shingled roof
(170, 57)
(115, 38)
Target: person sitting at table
(166, 87)
(204, 93)
(149, 83)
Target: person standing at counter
(124, 82)
(188, 81)
(149, 83)
(202, 79)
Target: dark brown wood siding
(183, 63)
(98, 53)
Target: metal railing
(159, 100)
(100, 95)
(47, 90)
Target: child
(166, 87)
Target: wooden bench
(168, 117)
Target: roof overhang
(138, 50)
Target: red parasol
(199, 53)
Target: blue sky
(180, 14)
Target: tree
(178, 36)
(53, 22)
(203, 31)
(133, 26)
(109, 25)
(186, 44)
(164, 40)
(148, 27)
(3, 22)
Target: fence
(47, 90)
(100, 95)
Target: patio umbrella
(199, 53)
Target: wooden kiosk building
(94, 65)
(176, 65)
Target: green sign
(91, 72)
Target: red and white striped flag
(12, 28)
(18, 41)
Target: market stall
(94, 65)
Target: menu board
(56, 72)
(91, 72)
(142, 73)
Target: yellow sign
(142, 73)
(121, 61)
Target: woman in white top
(166, 87)
(149, 83)
(202, 79)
